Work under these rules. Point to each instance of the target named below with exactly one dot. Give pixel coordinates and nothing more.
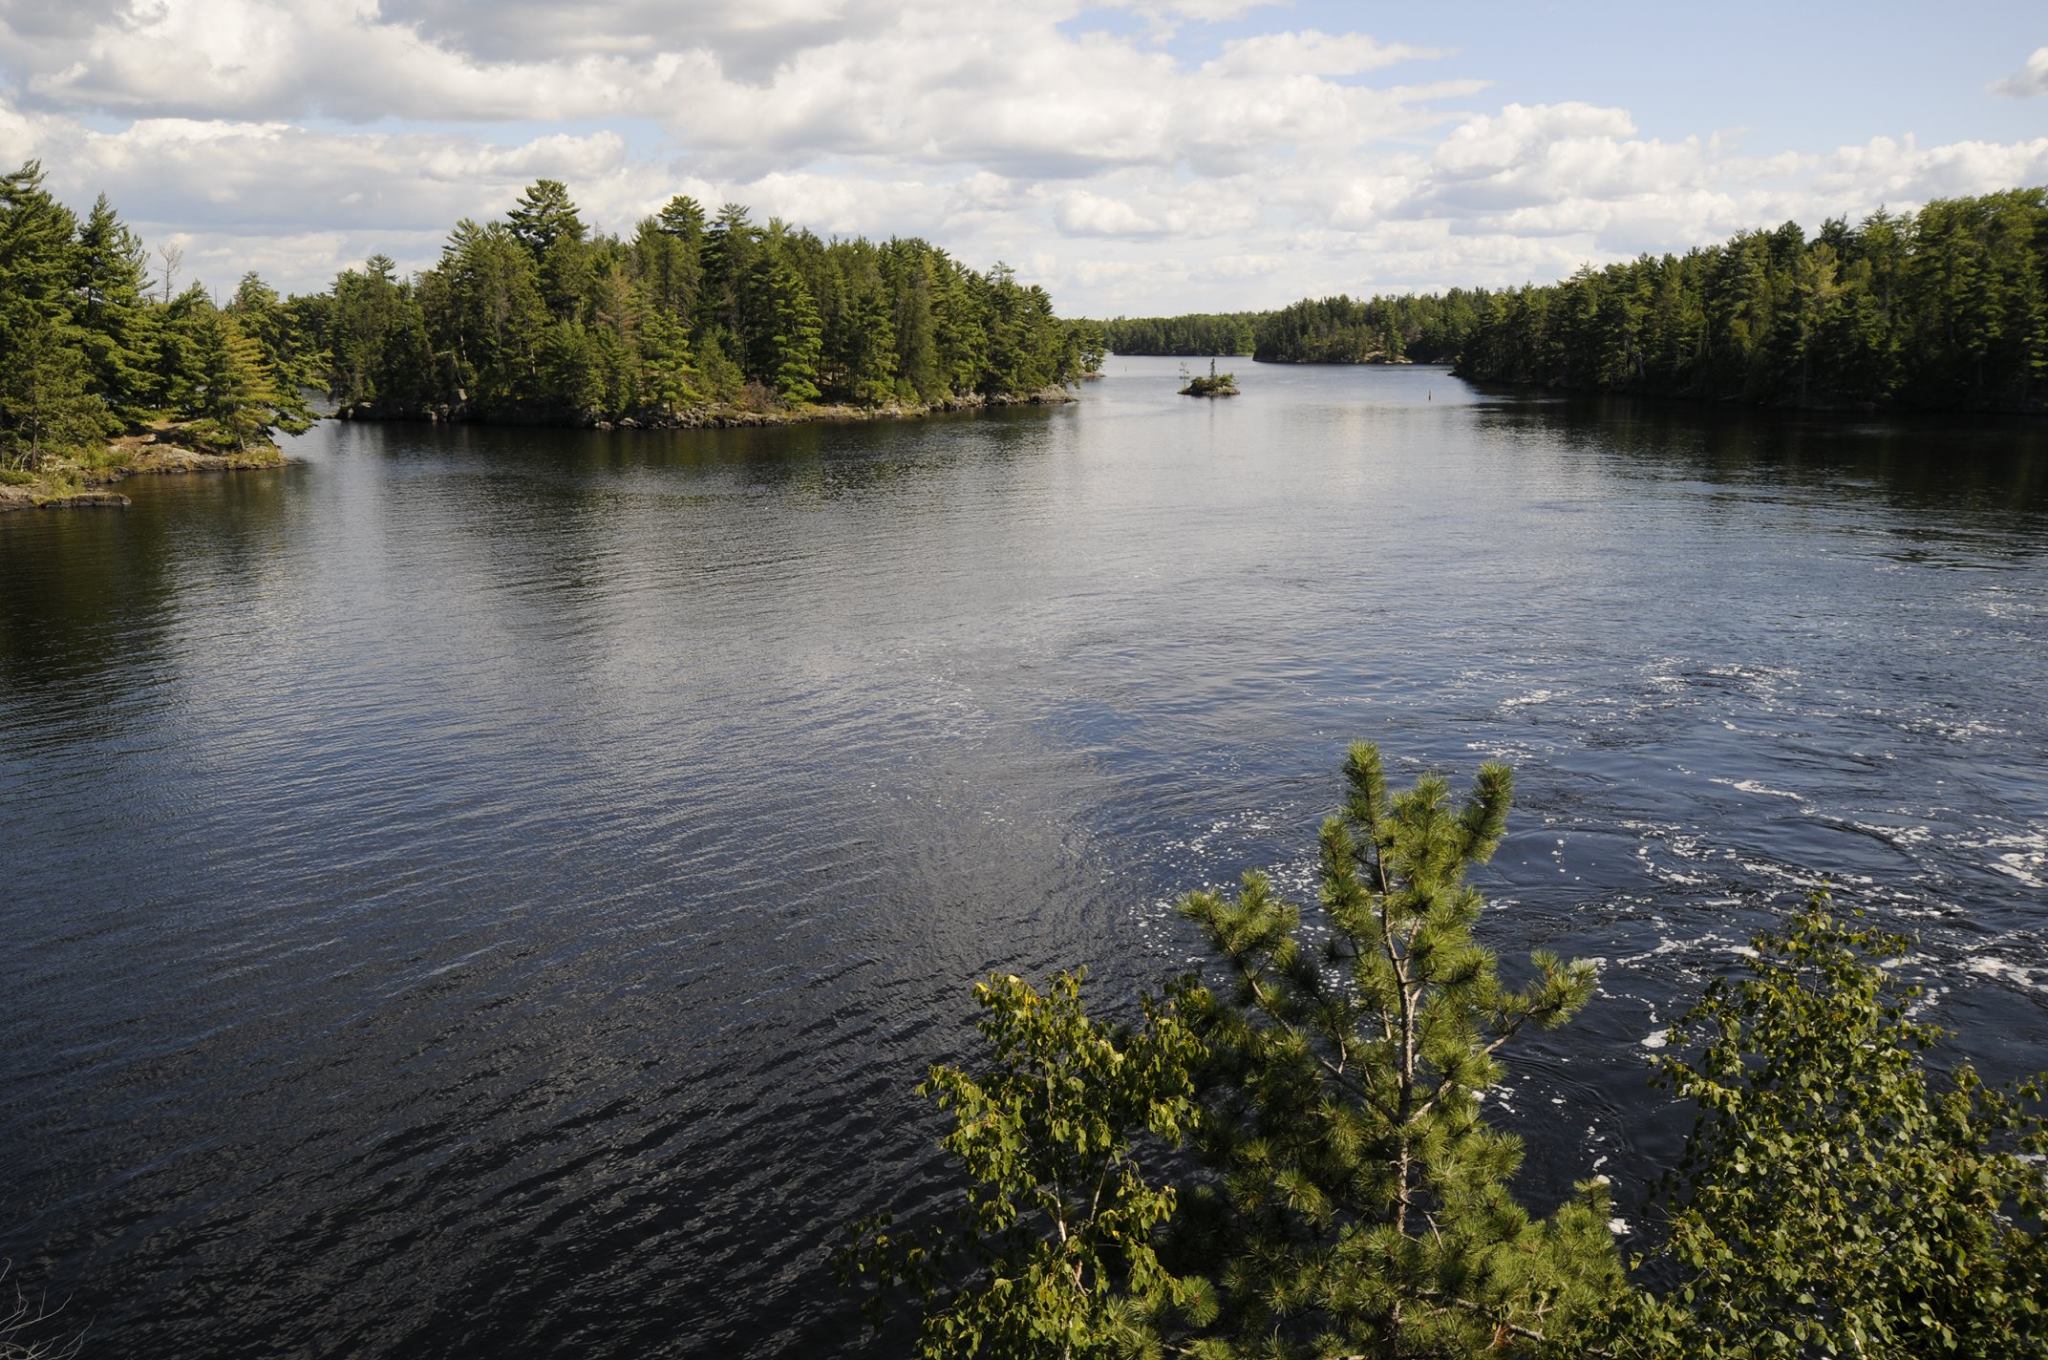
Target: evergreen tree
(1351, 1200)
(669, 257)
(787, 338)
(112, 276)
(742, 307)
(1362, 1203)
(489, 315)
(229, 388)
(259, 314)
(861, 339)
(544, 217)
(907, 268)
(1947, 307)
(728, 255)
(668, 377)
(46, 406)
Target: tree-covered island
(1214, 384)
(694, 319)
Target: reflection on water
(489, 891)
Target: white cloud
(2031, 79)
(1313, 53)
(297, 136)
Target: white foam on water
(1657, 1038)
(2018, 855)
(1753, 786)
(2005, 970)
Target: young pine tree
(1354, 1202)
(1360, 1203)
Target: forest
(91, 352)
(1198, 334)
(1425, 328)
(1943, 308)
(536, 317)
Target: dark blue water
(492, 892)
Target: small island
(1214, 385)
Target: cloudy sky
(1132, 155)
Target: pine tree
(669, 257)
(544, 216)
(1362, 1201)
(228, 388)
(669, 381)
(112, 275)
(787, 337)
(259, 314)
(862, 336)
(46, 405)
(907, 266)
(489, 316)
(730, 246)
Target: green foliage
(1196, 334)
(1945, 308)
(1424, 328)
(787, 336)
(84, 351)
(1941, 309)
(1346, 1197)
(1053, 1252)
(1318, 1179)
(1360, 1200)
(1835, 1197)
(538, 316)
(110, 277)
(1213, 385)
(228, 389)
(46, 405)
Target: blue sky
(1133, 155)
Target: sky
(1134, 156)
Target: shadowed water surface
(491, 892)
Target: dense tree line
(1946, 307)
(538, 317)
(1294, 1155)
(1198, 334)
(1423, 328)
(88, 349)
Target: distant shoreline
(724, 416)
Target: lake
(492, 892)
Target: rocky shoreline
(69, 485)
(714, 417)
